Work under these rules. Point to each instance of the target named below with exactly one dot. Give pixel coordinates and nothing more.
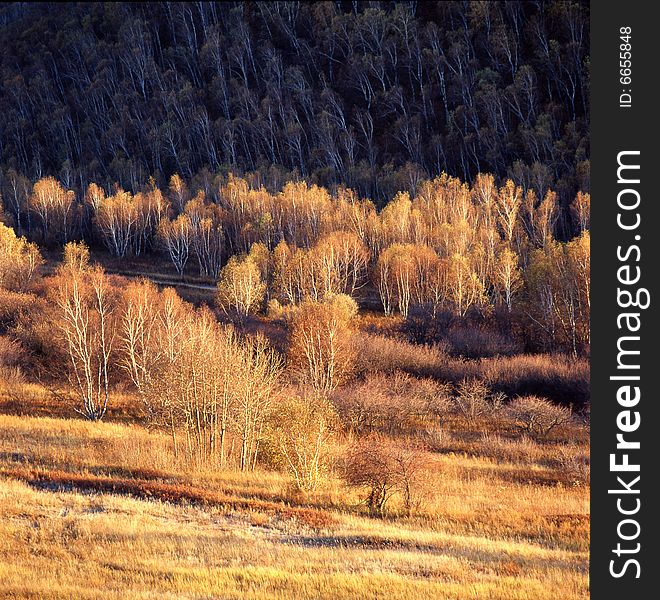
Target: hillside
(295, 300)
(372, 95)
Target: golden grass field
(102, 510)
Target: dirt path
(160, 280)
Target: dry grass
(113, 547)
(104, 510)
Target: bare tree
(86, 325)
(537, 416)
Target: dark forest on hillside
(373, 95)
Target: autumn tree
(474, 399)
(178, 192)
(19, 260)
(241, 288)
(55, 207)
(507, 206)
(76, 257)
(320, 351)
(195, 375)
(208, 235)
(301, 427)
(507, 277)
(86, 304)
(153, 338)
(115, 218)
(465, 289)
(581, 210)
(395, 273)
(256, 376)
(343, 260)
(558, 293)
(150, 209)
(176, 238)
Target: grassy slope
(227, 535)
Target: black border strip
(616, 129)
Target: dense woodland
(476, 257)
(373, 95)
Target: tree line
(372, 95)
(451, 248)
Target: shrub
(396, 403)
(536, 416)
(383, 468)
(300, 429)
(475, 399)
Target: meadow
(105, 510)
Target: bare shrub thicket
(536, 416)
(194, 373)
(474, 400)
(557, 377)
(14, 306)
(377, 353)
(11, 357)
(478, 334)
(479, 342)
(574, 463)
(560, 378)
(398, 403)
(383, 468)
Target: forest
(294, 300)
(372, 95)
(480, 257)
